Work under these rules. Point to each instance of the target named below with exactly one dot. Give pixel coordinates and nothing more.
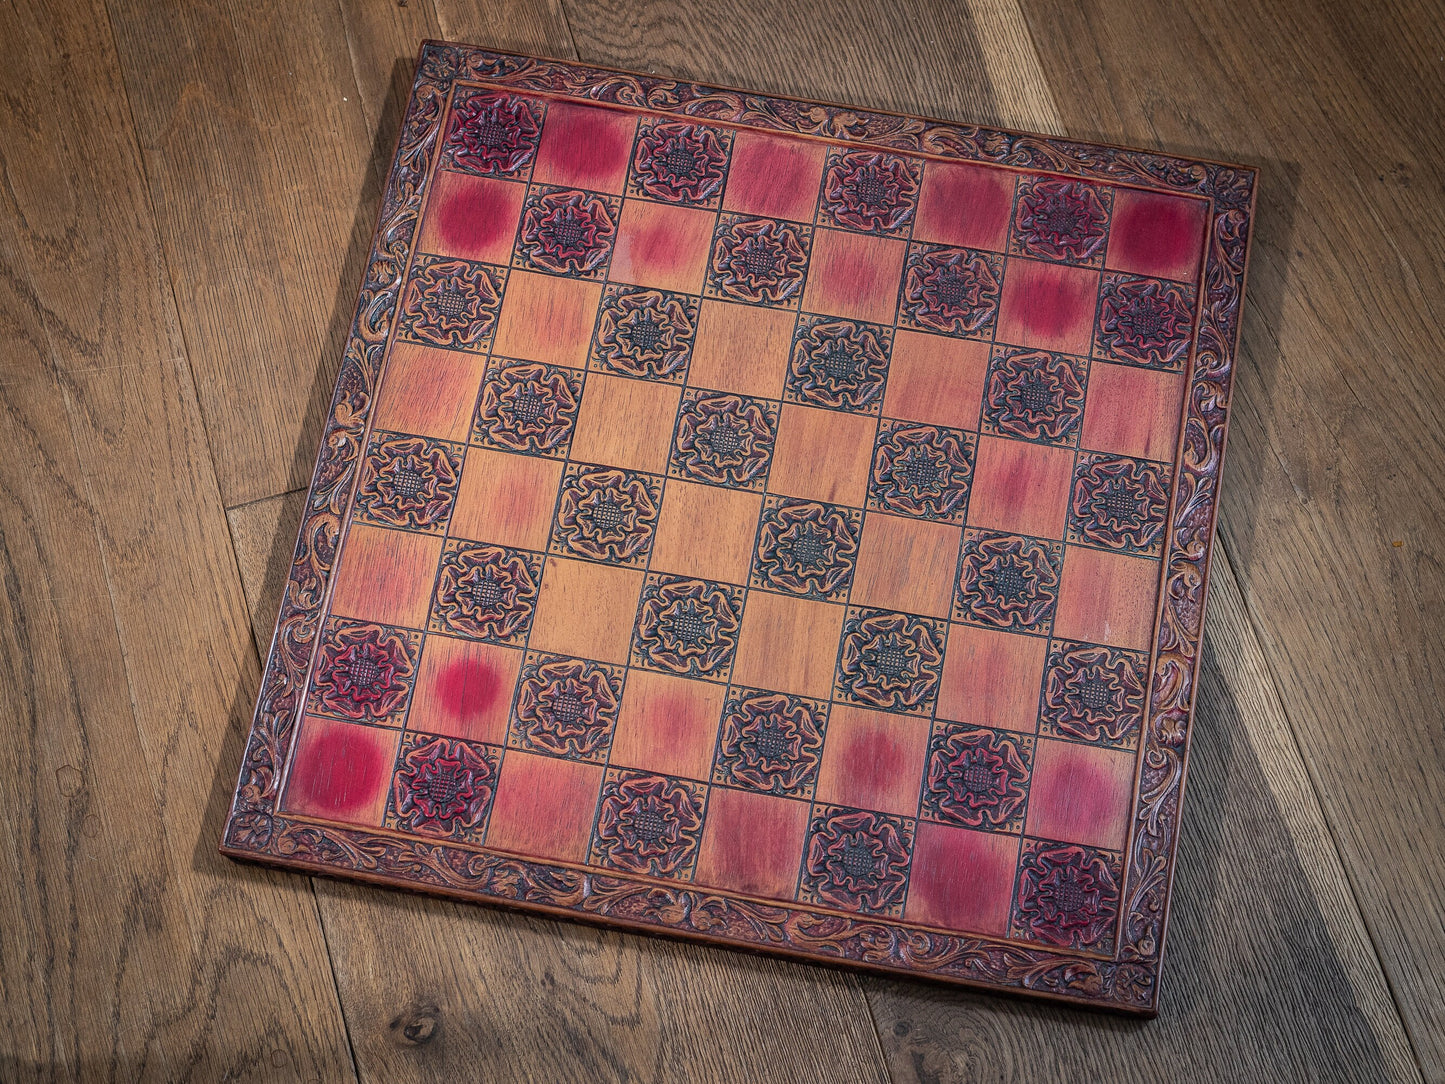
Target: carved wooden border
(1130, 979)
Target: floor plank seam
(335, 982)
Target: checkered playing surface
(763, 513)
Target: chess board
(763, 522)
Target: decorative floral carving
(492, 134)
(890, 660)
(1035, 395)
(770, 742)
(452, 303)
(644, 333)
(841, 364)
(567, 232)
(687, 626)
(364, 672)
(1093, 694)
(529, 408)
(952, 290)
(977, 778)
(649, 824)
(763, 261)
(443, 787)
(1145, 321)
(566, 707)
(1119, 502)
(1056, 219)
(485, 592)
(857, 860)
(605, 514)
(1067, 895)
(921, 470)
(806, 548)
(1007, 581)
(680, 163)
(408, 482)
(723, 439)
(870, 191)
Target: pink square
(774, 176)
(965, 205)
(1132, 411)
(1020, 487)
(584, 146)
(961, 880)
(341, 771)
(1156, 235)
(1081, 794)
(873, 760)
(663, 246)
(752, 843)
(544, 806)
(474, 218)
(1048, 305)
(855, 275)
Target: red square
(464, 689)
(341, 771)
(663, 246)
(1021, 487)
(386, 576)
(992, 678)
(774, 176)
(961, 880)
(965, 205)
(1156, 235)
(752, 843)
(1132, 411)
(1081, 794)
(429, 392)
(1107, 598)
(547, 318)
(544, 806)
(855, 275)
(873, 760)
(936, 379)
(1049, 306)
(585, 146)
(474, 218)
(668, 724)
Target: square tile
(472, 218)
(770, 742)
(775, 176)
(566, 231)
(925, 471)
(547, 318)
(741, 348)
(506, 499)
(1145, 321)
(965, 205)
(527, 407)
(839, 364)
(429, 392)
(1048, 306)
(584, 146)
(566, 707)
(1093, 694)
(857, 860)
(961, 880)
(341, 771)
(724, 439)
(752, 843)
(586, 610)
(1035, 395)
(648, 824)
(806, 549)
(662, 246)
(409, 483)
(688, 626)
(991, 678)
(977, 778)
(385, 575)
(1081, 794)
(485, 592)
(890, 661)
(626, 423)
(823, 455)
(906, 564)
(451, 303)
(644, 333)
(759, 261)
(952, 291)
(1020, 487)
(935, 380)
(723, 548)
(464, 689)
(870, 191)
(492, 133)
(364, 672)
(1119, 503)
(443, 787)
(668, 725)
(544, 806)
(680, 162)
(604, 514)
(854, 275)
(1067, 896)
(1008, 581)
(1157, 235)
(1059, 219)
(788, 644)
(1108, 598)
(1133, 411)
(873, 760)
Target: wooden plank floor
(187, 195)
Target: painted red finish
(341, 771)
(1156, 235)
(1048, 306)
